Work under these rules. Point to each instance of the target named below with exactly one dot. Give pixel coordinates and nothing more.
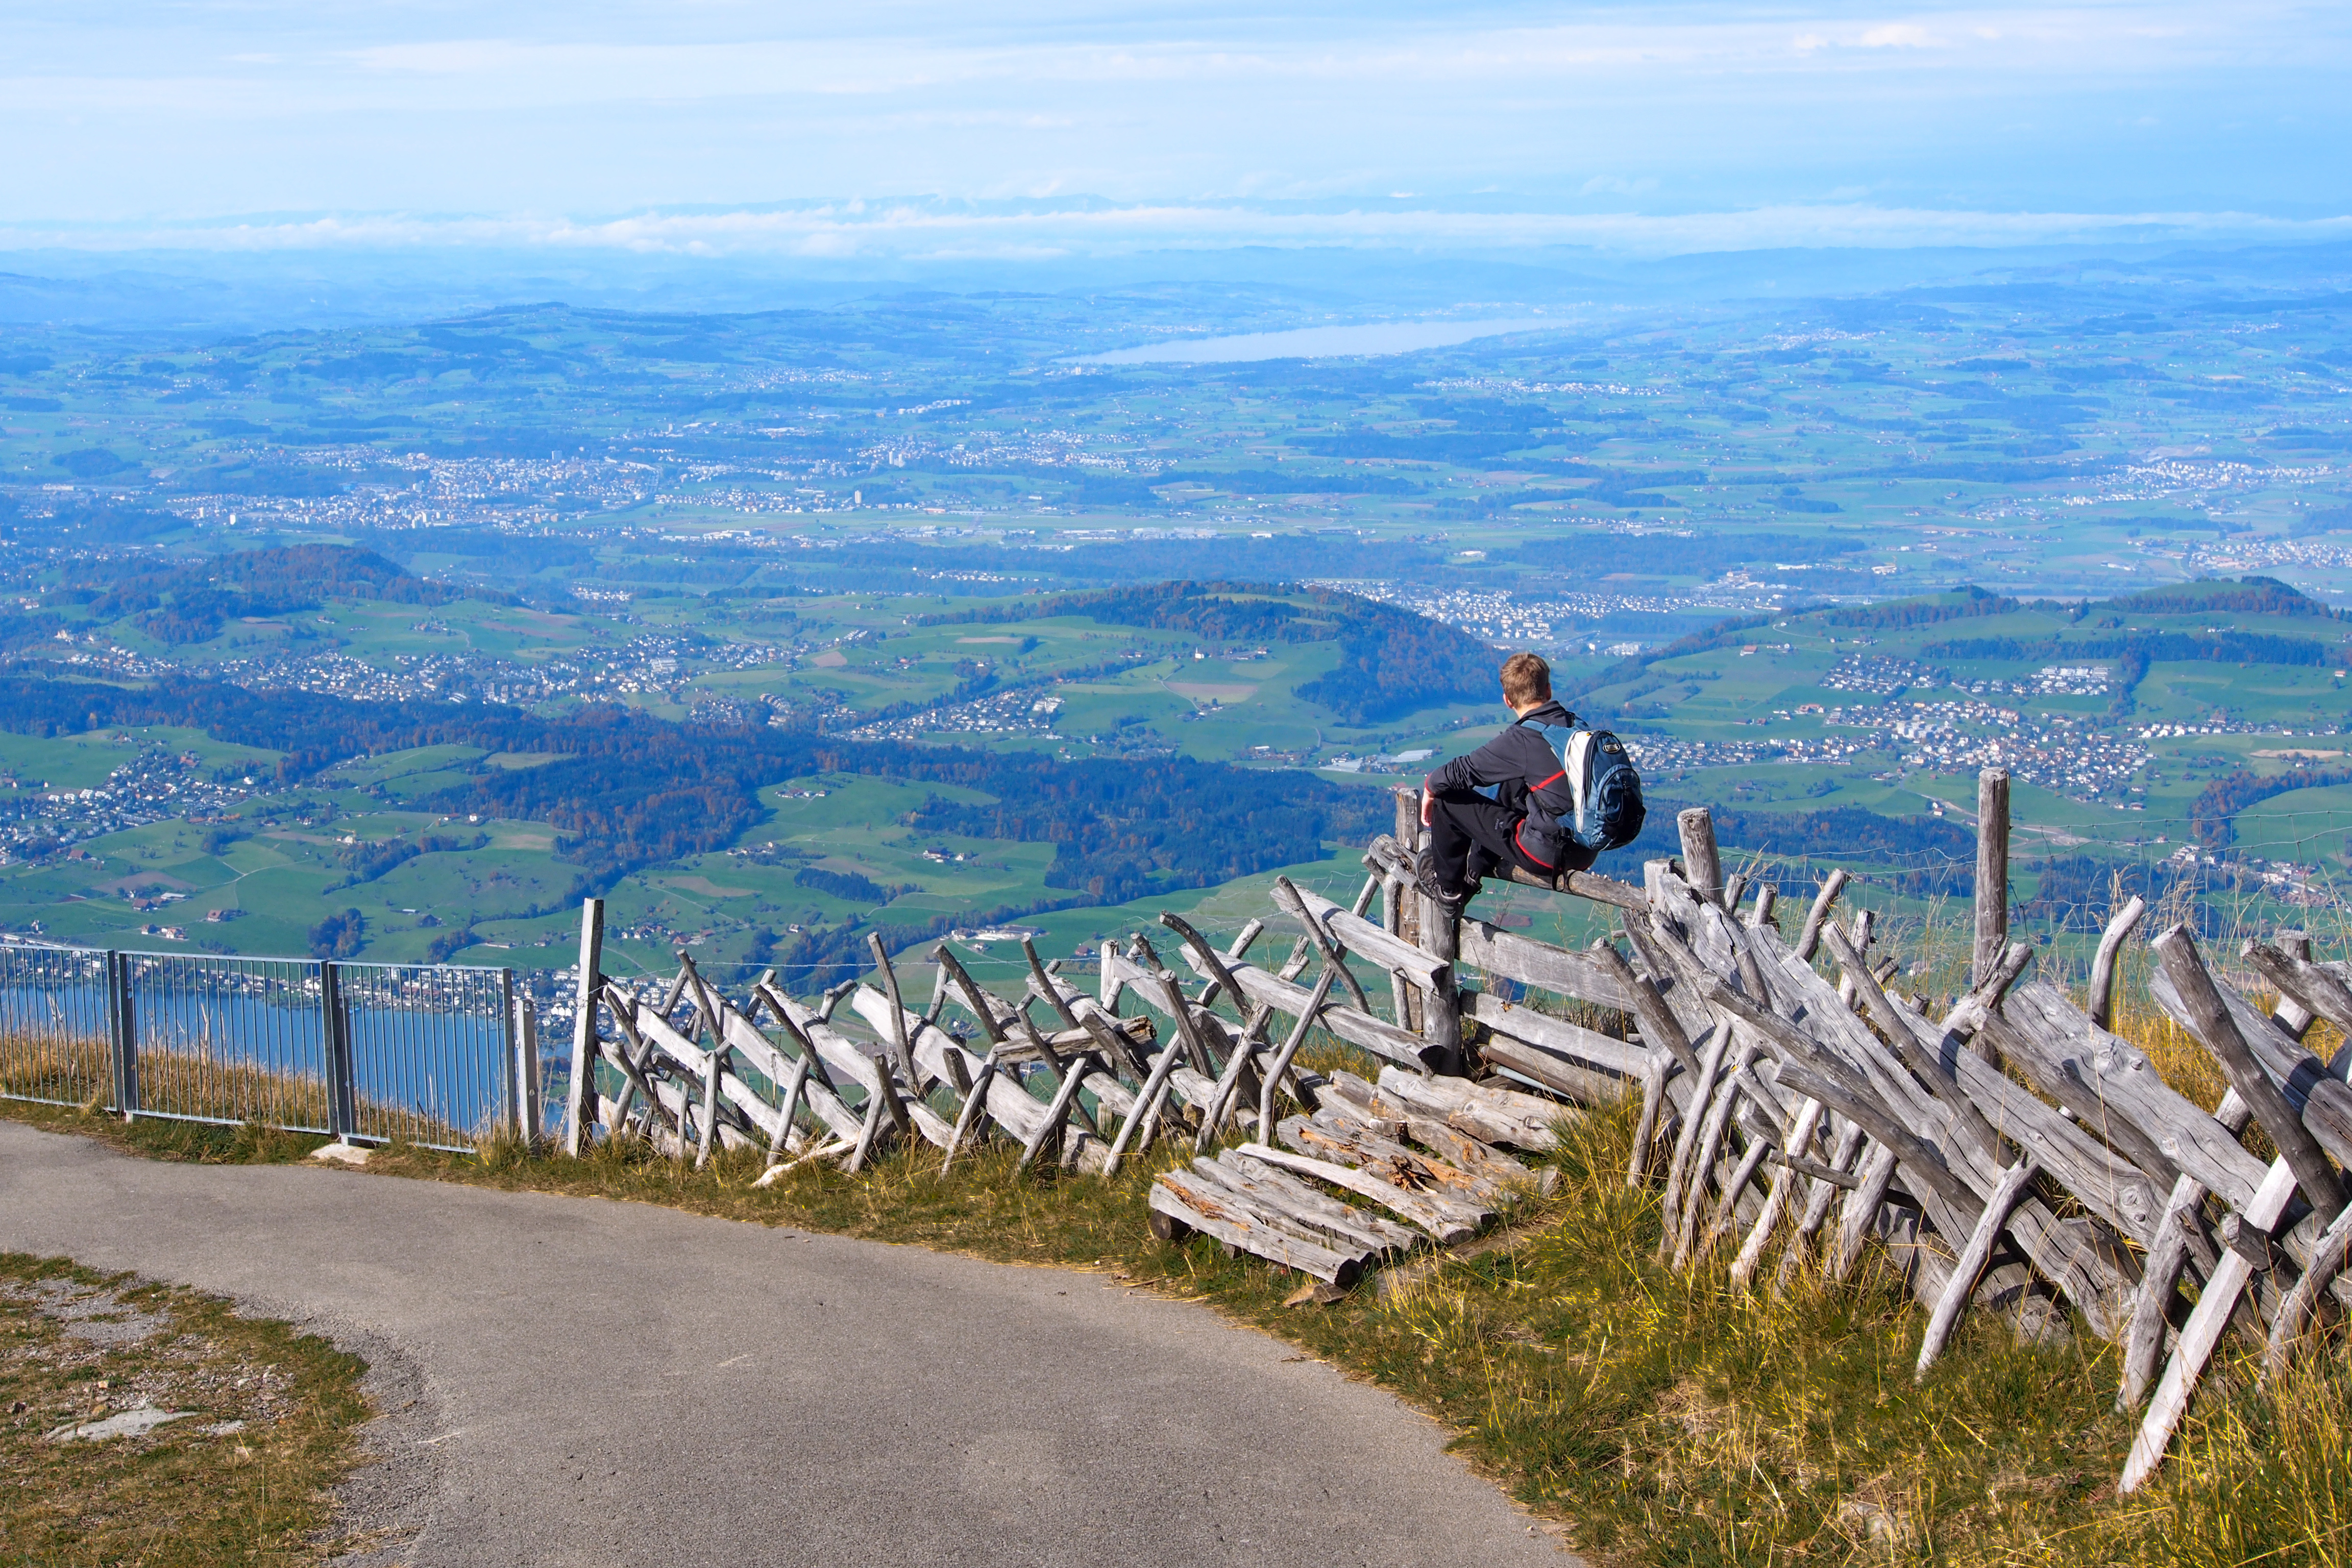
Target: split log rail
(2011, 1155)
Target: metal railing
(438, 1055)
(57, 1026)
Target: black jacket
(1520, 764)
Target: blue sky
(915, 128)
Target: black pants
(1472, 838)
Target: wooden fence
(2011, 1155)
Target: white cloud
(1901, 36)
(817, 60)
(132, 110)
(930, 229)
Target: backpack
(1602, 779)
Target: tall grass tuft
(2256, 1478)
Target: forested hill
(2106, 633)
(188, 601)
(1391, 662)
(2246, 596)
(633, 791)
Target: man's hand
(1428, 804)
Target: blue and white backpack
(1602, 780)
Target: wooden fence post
(578, 1102)
(1441, 1005)
(510, 1041)
(1107, 994)
(2102, 966)
(1702, 867)
(1849, 985)
(1404, 905)
(529, 1114)
(1809, 938)
(1992, 874)
(902, 1055)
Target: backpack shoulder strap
(1531, 723)
(1556, 736)
(1559, 737)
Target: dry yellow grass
(191, 1083)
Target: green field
(1766, 720)
(850, 522)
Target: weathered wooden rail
(2011, 1155)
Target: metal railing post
(510, 1069)
(122, 1036)
(335, 1035)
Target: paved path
(580, 1382)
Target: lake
(1327, 343)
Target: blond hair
(1525, 678)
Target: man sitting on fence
(1545, 794)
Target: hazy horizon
(910, 133)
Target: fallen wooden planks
(1443, 1218)
(1491, 1115)
(1327, 1136)
(1374, 1110)
(1308, 1210)
(1194, 1203)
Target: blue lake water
(444, 1063)
(1327, 343)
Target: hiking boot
(1424, 877)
